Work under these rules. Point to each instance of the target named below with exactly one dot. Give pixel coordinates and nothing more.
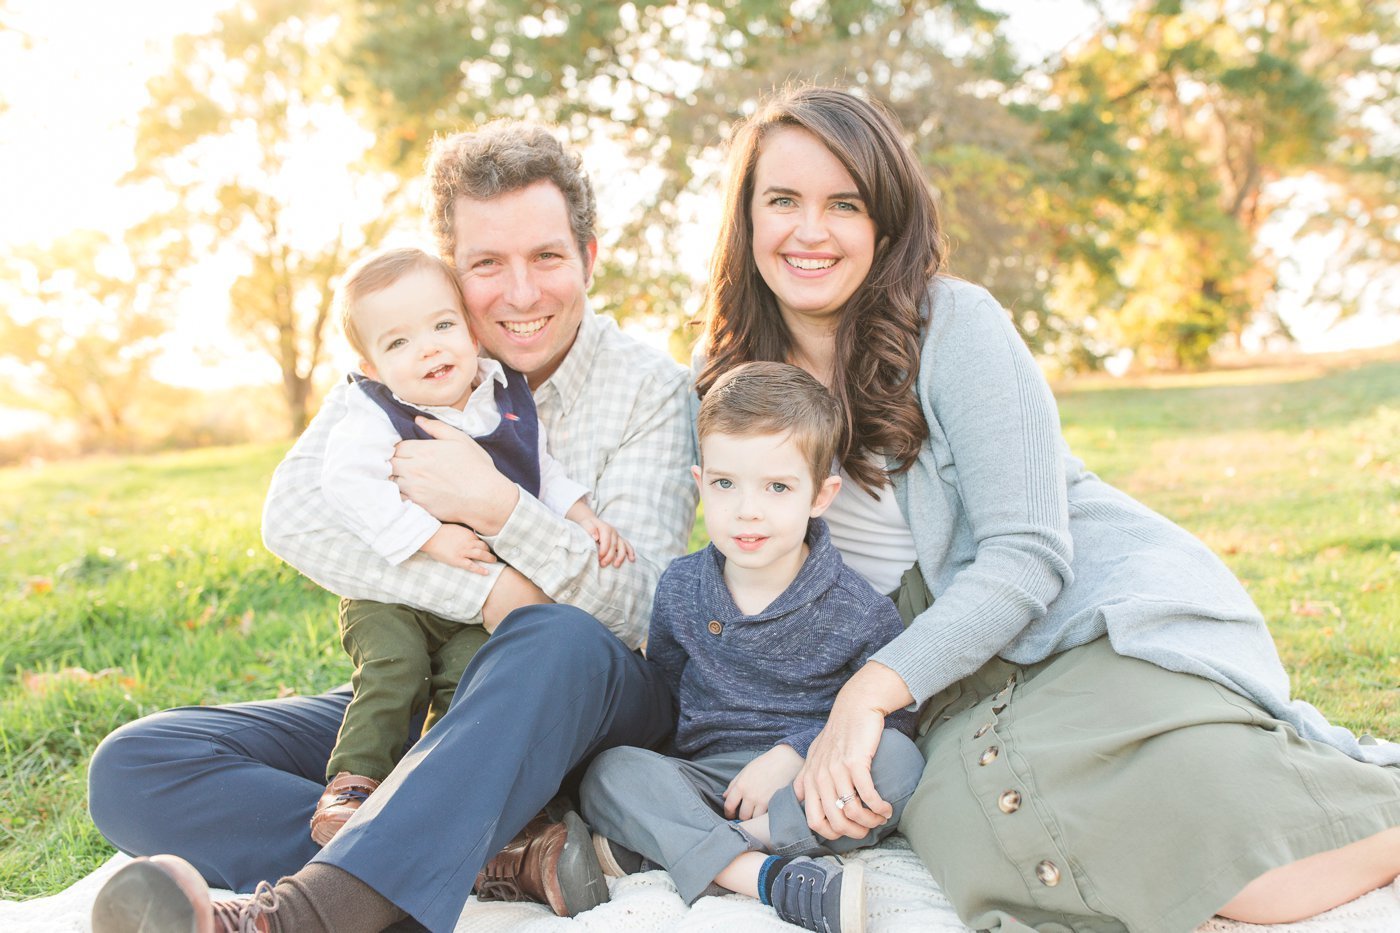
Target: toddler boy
(755, 634)
(404, 314)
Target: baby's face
(418, 342)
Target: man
(230, 789)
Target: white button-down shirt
(355, 470)
(618, 417)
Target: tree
(248, 132)
(1178, 123)
(662, 82)
(83, 319)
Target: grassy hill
(129, 585)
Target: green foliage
(261, 81)
(138, 583)
(1175, 123)
(82, 317)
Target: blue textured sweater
(747, 682)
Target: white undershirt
(872, 535)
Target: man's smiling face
(523, 276)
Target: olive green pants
(1095, 792)
(405, 659)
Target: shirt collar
(490, 370)
(816, 576)
(568, 381)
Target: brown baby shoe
(342, 798)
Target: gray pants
(671, 811)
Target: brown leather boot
(342, 798)
(548, 863)
(165, 892)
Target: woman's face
(813, 236)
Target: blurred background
(1145, 185)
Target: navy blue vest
(515, 444)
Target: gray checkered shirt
(618, 418)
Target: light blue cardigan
(1028, 554)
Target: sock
(324, 899)
(767, 874)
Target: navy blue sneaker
(821, 894)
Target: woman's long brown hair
(877, 332)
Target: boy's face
(759, 492)
(417, 341)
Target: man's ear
(825, 493)
(590, 259)
(368, 369)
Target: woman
(1108, 735)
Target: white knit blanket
(900, 896)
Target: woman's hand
(454, 479)
(748, 794)
(838, 763)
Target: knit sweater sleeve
(663, 649)
(994, 463)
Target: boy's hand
(613, 548)
(459, 547)
(748, 794)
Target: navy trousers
(232, 788)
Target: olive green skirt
(1096, 792)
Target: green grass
(148, 573)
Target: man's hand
(458, 547)
(454, 479)
(748, 794)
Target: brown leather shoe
(548, 863)
(342, 798)
(166, 894)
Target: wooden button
(715, 627)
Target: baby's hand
(457, 546)
(748, 794)
(613, 548)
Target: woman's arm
(838, 761)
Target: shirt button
(982, 731)
(1048, 874)
(1009, 801)
(989, 756)
(715, 627)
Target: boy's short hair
(377, 272)
(775, 398)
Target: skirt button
(1048, 874)
(989, 756)
(1009, 801)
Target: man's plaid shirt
(618, 418)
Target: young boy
(755, 634)
(403, 313)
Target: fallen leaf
(37, 586)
